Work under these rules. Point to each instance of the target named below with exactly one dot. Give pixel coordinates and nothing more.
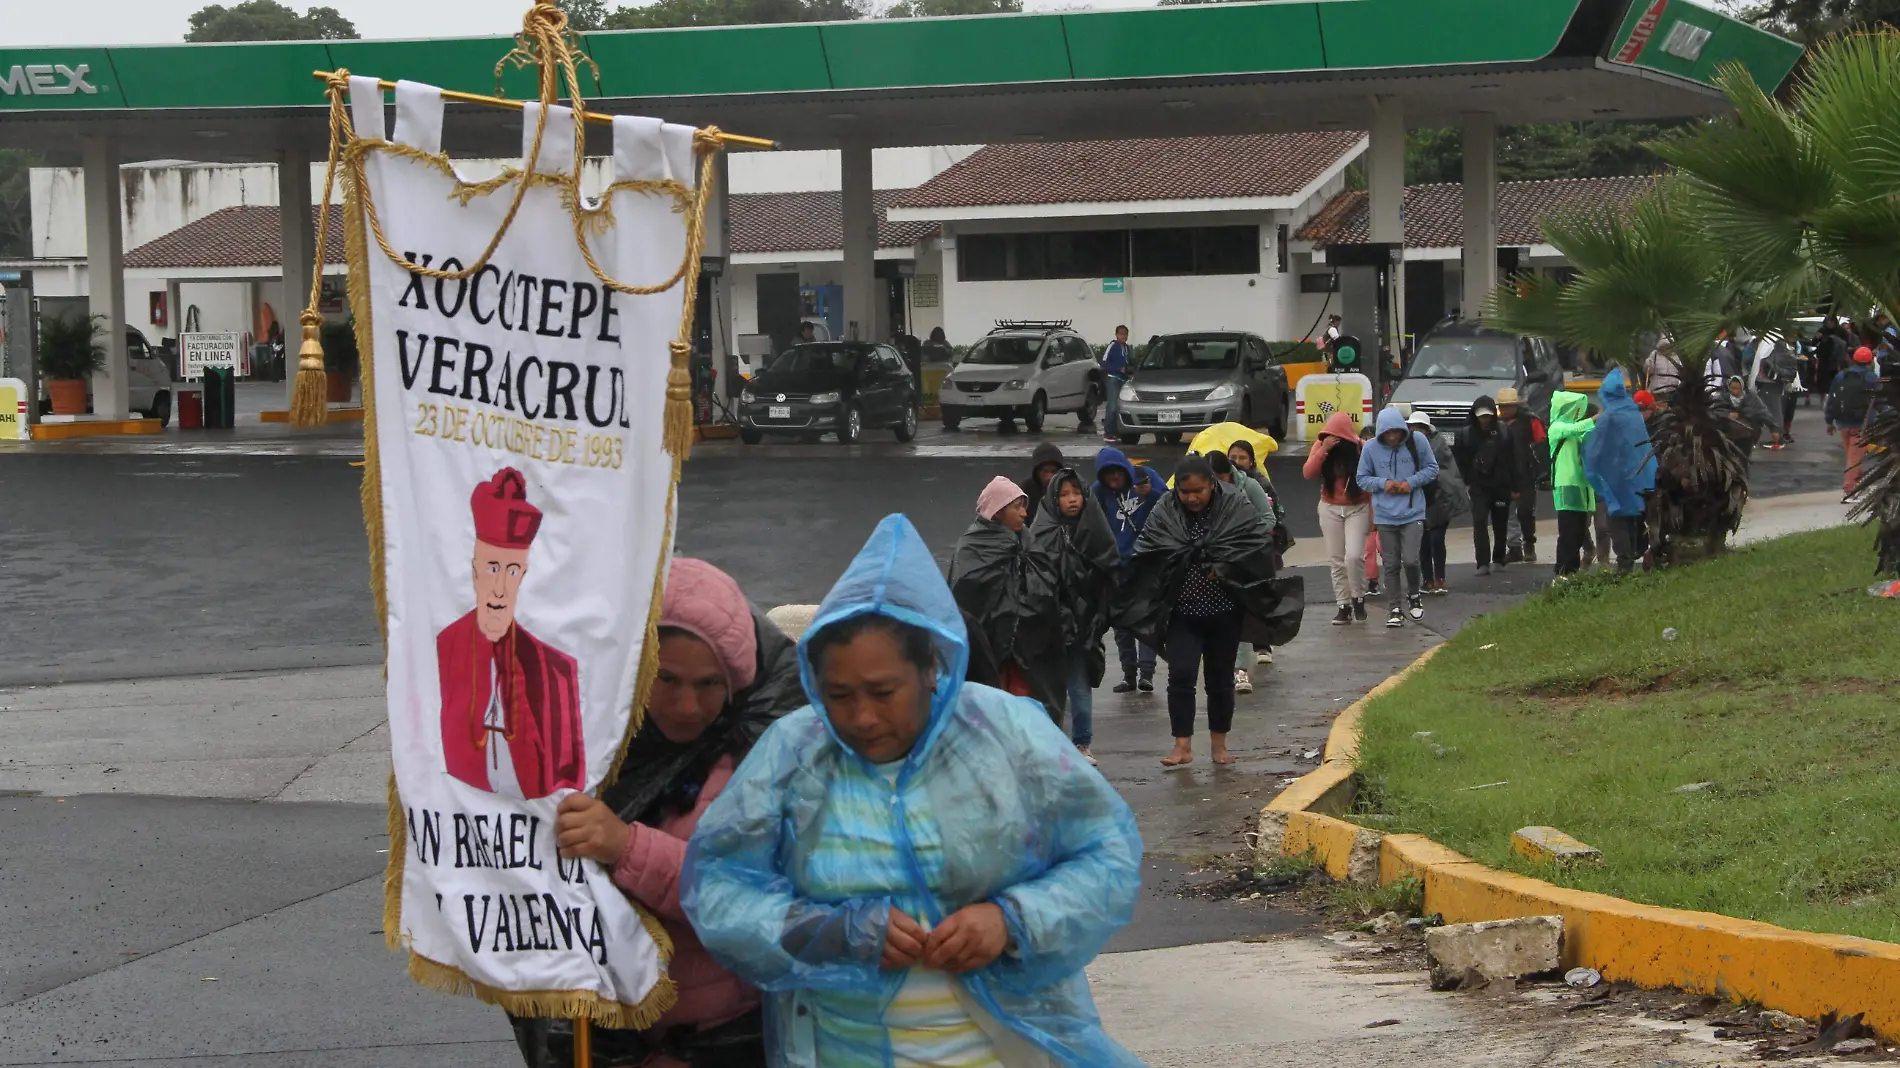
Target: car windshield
(1191, 354)
(1466, 357)
(821, 357)
(1005, 350)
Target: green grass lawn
(1780, 688)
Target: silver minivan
(1023, 370)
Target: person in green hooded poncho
(1576, 501)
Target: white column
(860, 242)
(1481, 212)
(1385, 171)
(105, 273)
(1385, 193)
(300, 242)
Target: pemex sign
(47, 79)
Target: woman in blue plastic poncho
(915, 869)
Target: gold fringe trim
(556, 1004)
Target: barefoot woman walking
(1201, 573)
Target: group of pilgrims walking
(1052, 565)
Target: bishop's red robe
(540, 701)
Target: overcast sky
(69, 22)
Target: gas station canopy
(1159, 72)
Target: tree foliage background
(268, 20)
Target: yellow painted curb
(1798, 972)
(94, 428)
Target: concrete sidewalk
(1765, 517)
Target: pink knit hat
(996, 496)
(704, 601)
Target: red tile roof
(231, 237)
(1181, 168)
(1434, 214)
(761, 222)
(802, 222)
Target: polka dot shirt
(1200, 595)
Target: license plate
(779, 411)
(1168, 415)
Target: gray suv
(1460, 362)
(1184, 383)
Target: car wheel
(161, 408)
(852, 428)
(1170, 438)
(1246, 412)
(907, 429)
(1038, 410)
(1277, 429)
(951, 418)
(1091, 398)
(750, 435)
(1131, 439)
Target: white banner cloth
(526, 502)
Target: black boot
(1127, 685)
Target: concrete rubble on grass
(1548, 845)
(1495, 949)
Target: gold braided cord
(545, 42)
(686, 202)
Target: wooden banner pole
(727, 139)
(583, 1042)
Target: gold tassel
(309, 401)
(678, 431)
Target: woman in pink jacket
(1345, 514)
(725, 674)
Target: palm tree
(1646, 282)
(1806, 197)
(1768, 213)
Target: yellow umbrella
(1223, 435)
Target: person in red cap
(1645, 399)
(511, 704)
(1848, 402)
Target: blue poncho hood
(894, 575)
(1617, 457)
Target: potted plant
(340, 358)
(70, 351)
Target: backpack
(1852, 398)
(1411, 446)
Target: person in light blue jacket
(1395, 467)
(912, 868)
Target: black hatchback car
(830, 387)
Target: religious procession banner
(518, 340)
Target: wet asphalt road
(122, 566)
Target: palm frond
(1526, 303)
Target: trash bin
(191, 409)
(220, 389)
